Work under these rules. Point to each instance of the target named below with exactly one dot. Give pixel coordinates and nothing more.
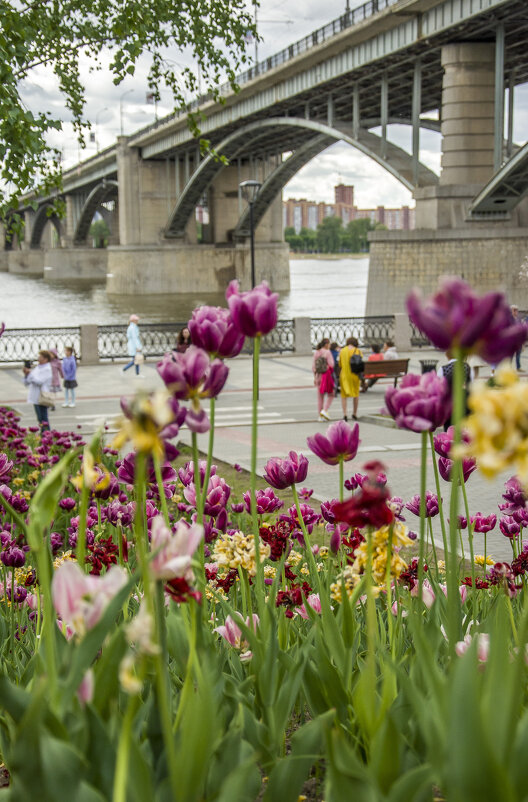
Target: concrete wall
(81, 264)
(26, 263)
(400, 260)
(150, 271)
(4, 261)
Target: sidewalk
(287, 416)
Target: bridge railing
(347, 20)
(103, 343)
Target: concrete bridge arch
(244, 141)
(102, 193)
(42, 217)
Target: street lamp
(101, 111)
(250, 190)
(128, 91)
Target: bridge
(442, 65)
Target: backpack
(357, 365)
(321, 365)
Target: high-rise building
(308, 214)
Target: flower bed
(165, 637)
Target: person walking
(38, 380)
(334, 350)
(349, 378)
(183, 341)
(134, 345)
(69, 371)
(323, 368)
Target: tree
(357, 232)
(309, 238)
(329, 235)
(59, 34)
(99, 232)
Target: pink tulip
(80, 599)
(85, 691)
(482, 646)
(428, 594)
(233, 634)
(173, 551)
(313, 601)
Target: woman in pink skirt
(323, 367)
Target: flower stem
(314, 573)
(212, 409)
(123, 751)
(163, 688)
(161, 490)
(453, 597)
(197, 480)
(253, 477)
(423, 483)
(440, 502)
(470, 536)
(341, 478)
(81, 529)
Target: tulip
(80, 599)
(368, 507)
(431, 504)
(213, 330)
(327, 510)
(443, 442)
(192, 375)
(456, 317)
(232, 633)
(482, 523)
(514, 496)
(282, 473)
(339, 444)
(266, 500)
(428, 594)
(508, 526)
(173, 550)
(254, 312)
(216, 498)
(420, 403)
(5, 467)
(312, 601)
(482, 646)
(445, 467)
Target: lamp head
(250, 189)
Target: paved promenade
(287, 416)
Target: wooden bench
(386, 369)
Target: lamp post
(250, 190)
(101, 111)
(128, 91)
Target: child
(69, 370)
(56, 371)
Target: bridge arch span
(391, 157)
(42, 216)
(103, 192)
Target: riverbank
(334, 257)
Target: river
(319, 288)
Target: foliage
(62, 34)
(99, 232)
(331, 237)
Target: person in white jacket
(133, 343)
(37, 380)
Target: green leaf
(287, 777)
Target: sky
(110, 109)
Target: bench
(386, 369)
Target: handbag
(46, 399)
(139, 358)
(357, 365)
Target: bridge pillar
(468, 113)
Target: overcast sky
(279, 24)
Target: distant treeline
(332, 237)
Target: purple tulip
(339, 444)
(445, 467)
(238, 507)
(456, 317)
(254, 312)
(216, 498)
(514, 496)
(482, 523)
(431, 504)
(197, 421)
(509, 526)
(443, 442)
(335, 541)
(186, 473)
(67, 503)
(420, 403)
(521, 516)
(5, 467)
(13, 557)
(192, 374)
(213, 330)
(266, 500)
(281, 473)
(327, 510)
(309, 515)
(396, 505)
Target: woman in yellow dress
(349, 380)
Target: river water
(319, 288)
